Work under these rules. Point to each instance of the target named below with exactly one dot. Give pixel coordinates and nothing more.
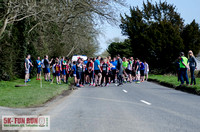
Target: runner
(38, 68)
(109, 69)
(193, 66)
(27, 66)
(83, 73)
(43, 66)
(30, 68)
(57, 69)
(119, 70)
(47, 68)
(105, 71)
(183, 69)
(87, 79)
(125, 65)
(68, 69)
(142, 68)
(137, 70)
(64, 64)
(146, 70)
(134, 70)
(74, 73)
(79, 70)
(113, 69)
(129, 70)
(54, 71)
(90, 67)
(97, 70)
(61, 66)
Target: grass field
(28, 96)
(173, 80)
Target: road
(145, 107)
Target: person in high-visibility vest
(183, 69)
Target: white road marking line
(143, 101)
(125, 91)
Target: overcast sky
(189, 10)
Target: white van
(76, 57)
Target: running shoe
(138, 82)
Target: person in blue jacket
(113, 69)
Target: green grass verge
(28, 96)
(173, 80)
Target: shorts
(64, 72)
(47, 70)
(128, 71)
(54, 74)
(97, 72)
(74, 75)
(133, 73)
(44, 70)
(86, 72)
(91, 74)
(110, 74)
(137, 72)
(27, 71)
(114, 72)
(38, 70)
(57, 74)
(78, 74)
(142, 72)
(146, 73)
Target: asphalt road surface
(145, 107)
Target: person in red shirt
(90, 67)
(57, 69)
(109, 69)
(67, 71)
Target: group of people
(99, 71)
(184, 64)
(95, 71)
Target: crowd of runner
(102, 71)
(93, 71)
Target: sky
(188, 9)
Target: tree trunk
(4, 26)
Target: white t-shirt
(42, 63)
(53, 68)
(27, 63)
(146, 66)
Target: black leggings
(91, 75)
(83, 78)
(104, 76)
(113, 75)
(67, 76)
